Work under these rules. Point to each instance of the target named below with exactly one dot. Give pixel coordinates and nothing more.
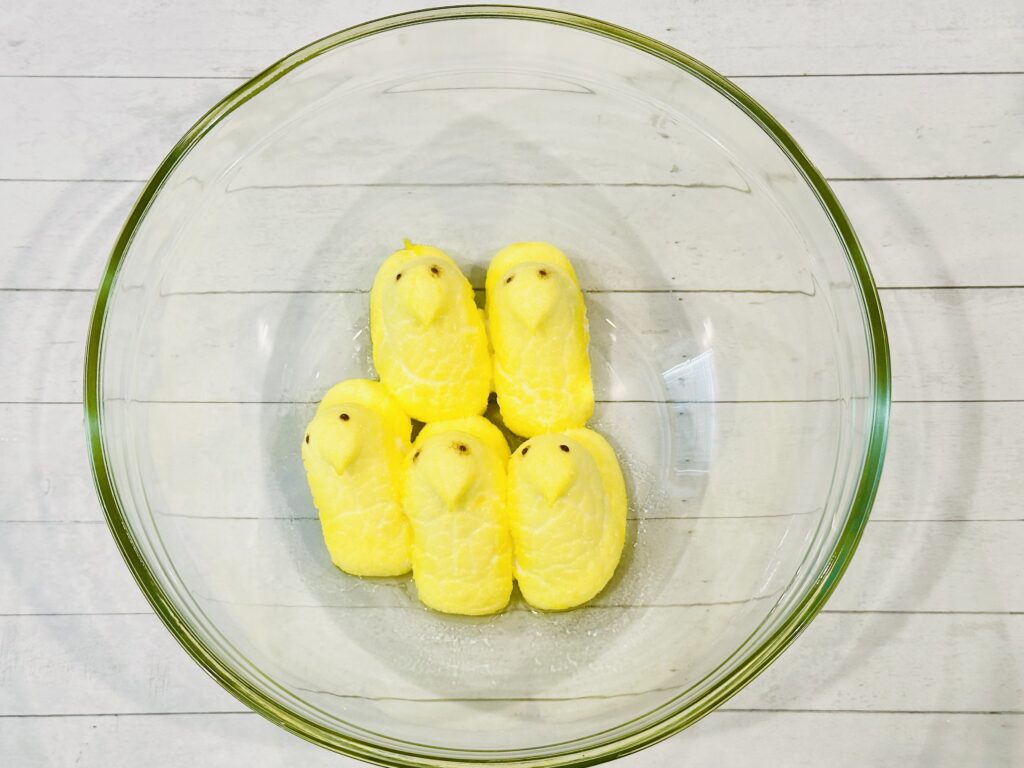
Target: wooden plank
(49, 480)
(725, 739)
(65, 568)
(913, 232)
(946, 345)
(686, 461)
(160, 742)
(629, 238)
(841, 739)
(275, 562)
(916, 233)
(42, 336)
(382, 677)
(851, 127)
(638, 238)
(59, 235)
(668, 562)
(927, 566)
(952, 461)
(950, 345)
(872, 662)
(44, 470)
(89, 664)
(196, 38)
(643, 346)
(898, 127)
(121, 128)
(909, 662)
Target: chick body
(429, 341)
(537, 323)
(454, 496)
(567, 512)
(352, 451)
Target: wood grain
(945, 344)
(44, 562)
(89, 664)
(840, 739)
(769, 38)
(865, 662)
(971, 451)
(915, 233)
(59, 235)
(229, 561)
(961, 331)
(871, 682)
(44, 470)
(42, 336)
(852, 127)
(643, 346)
(952, 461)
(944, 233)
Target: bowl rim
(677, 717)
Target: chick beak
(533, 296)
(340, 449)
(551, 474)
(423, 294)
(450, 474)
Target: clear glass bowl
(739, 353)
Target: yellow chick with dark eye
(454, 496)
(567, 512)
(429, 341)
(353, 450)
(537, 323)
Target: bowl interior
(733, 366)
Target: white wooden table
(914, 111)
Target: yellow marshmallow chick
(538, 331)
(454, 496)
(567, 511)
(429, 340)
(353, 451)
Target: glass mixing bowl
(739, 358)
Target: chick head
(339, 432)
(550, 464)
(450, 463)
(421, 281)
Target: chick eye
(509, 279)
(542, 272)
(307, 439)
(461, 448)
(526, 450)
(398, 277)
(344, 417)
(415, 456)
(435, 270)
(564, 447)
